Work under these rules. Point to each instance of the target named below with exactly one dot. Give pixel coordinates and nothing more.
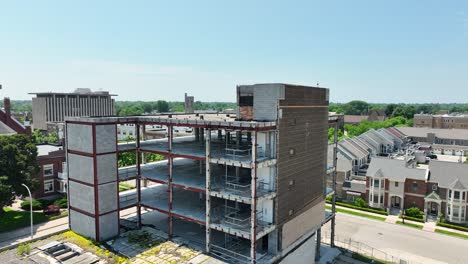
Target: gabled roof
(394, 170)
(6, 130)
(457, 185)
(450, 175)
(433, 196)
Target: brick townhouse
(50, 159)
(442, 187)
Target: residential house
(51, 160)
(394, 183)
(448, 186)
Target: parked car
(432, 156)
(52, 210)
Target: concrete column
(197, 134)
(202, 134)
(317, 245)
(253, 217)
(208, 188)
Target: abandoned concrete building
(247, 188)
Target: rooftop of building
(449, 174)
(454, 115)
(395, 170)
(78, 91)
(199, 119)
(45, 149)
(422, 132)
(355, 118)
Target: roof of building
(394, 170)
(44, 150)
(449, 174)
(422, 132)
(354, 119)
(433, 196)
(78, 91)
(6, 130)
(350, 148)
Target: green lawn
(445, 232)
(11, 220)
(340, 210)
(410, 225)
(125, 187)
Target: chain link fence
(365, 250)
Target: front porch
(396, 204)
(432, 206)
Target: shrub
(359, 202)
(453, 226)
(36, 205)
(420, 220)
(414, 212)
(23, 249)
(370, 210)
(62, 202)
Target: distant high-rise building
(188, 104)
(52, 107)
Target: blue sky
(379, 51)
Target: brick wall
(56, 159)
(414, 201)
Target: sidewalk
(40, 230)
(392, 219)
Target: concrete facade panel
(81, 197)
(265, 105)
(107, 197)
(81, 168)
(106, 138)
(82, 224)
(106, 168)
(302, 224)
(79, 138)
(108, 226)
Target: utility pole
(30, 209)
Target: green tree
(356, 108)
(399, 111)
(162, 106)
(17, 166)
(390, 108)
(37, 137)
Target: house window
(456, 210)
(414, 187)
(48, 170)
(376, 183)
(48, 186)
(396, 184)
(434, 187)
(464, 196)
(450, 194)
(376, 198)
(456, 195)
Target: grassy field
(125, 187)
(449, 233)
(410, 225)
(340, 210)
(11, 220)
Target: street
(400, 241)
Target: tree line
(357, 107)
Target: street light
(30, 209)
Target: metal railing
(229, 255)
(126, 173)
(364, 249)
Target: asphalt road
(400, 241)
